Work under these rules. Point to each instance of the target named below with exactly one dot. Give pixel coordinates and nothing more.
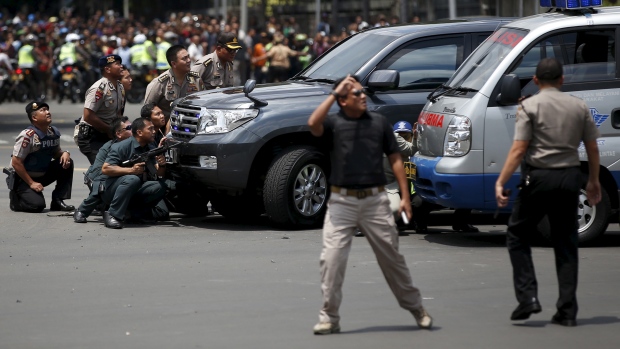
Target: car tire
(295, 193)
(593, 220)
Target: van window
(426, 64)
(587, 56)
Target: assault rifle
(138, 158)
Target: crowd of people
(47, 42)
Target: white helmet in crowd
(139, 39)
(72, 37)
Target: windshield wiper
(433, 98)
(304, 78)
(430, 95)
(329, 81)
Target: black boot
(111, 222)
(59, 205)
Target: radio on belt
(571, 4)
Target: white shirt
(195, 52)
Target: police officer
(140, 58)
(105, 101)
(27, 59)
(38, 161)
(548, 130)
(121, 129)
(360, 138)
(176, 82)
(162, 62)
(216, 68)
(127, 187)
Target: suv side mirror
(383, 80)
(249, 87)
(510, 91)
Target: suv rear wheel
(295, 191)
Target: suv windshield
(338, 63)
(477, 69)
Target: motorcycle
(22, 82)
(5, 84)
(142, 76)
(70, 86)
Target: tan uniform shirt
(106, 99)
(554, 123)
(213, 72)
(165, 89)
(279, 55)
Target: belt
(358, 193)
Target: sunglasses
(358, 93)
(127, 128)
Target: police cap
(33, 106)
(403, 126)
(228, 39)
(105, 60)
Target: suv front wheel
(295, 191)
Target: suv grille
(184, 122)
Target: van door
(423, 65)
(590, 73)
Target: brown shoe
(424, 320)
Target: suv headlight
(458, 137)
(223, 120)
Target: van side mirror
(510, 91)
(383, 80)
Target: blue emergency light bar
(571, 4)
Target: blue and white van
(467, 126)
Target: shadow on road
(597, 320)
(396, 328)
(492, 239)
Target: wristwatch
(333, 93)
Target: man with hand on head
(359, 138)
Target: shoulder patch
(207, 62)
(99, 92)
(163, 77)
(30, 132)
(193, 73)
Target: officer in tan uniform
(548, 131)
(216, 68)
(105, 101)
(37, 162)
(176, 82)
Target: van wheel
(295, 191)
(593, 220)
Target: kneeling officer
(137, 187)
(37, 162)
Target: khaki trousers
(372, 215)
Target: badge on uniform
(25, 142)
(98, 95)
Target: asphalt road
(211, 283)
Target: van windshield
(477, 69)
(338, 63)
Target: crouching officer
(121, 129)
(136, 188)
(37, 162)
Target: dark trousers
(554, 193)
(25, 199)
(90, 144)
(92, 201)
(130, 192)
